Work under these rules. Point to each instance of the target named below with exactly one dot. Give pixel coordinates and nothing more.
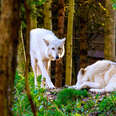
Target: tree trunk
(59, 63)
(47, 15)
(83, 45)
(28, 21)
(48, 19)
(61, 14)
(9, 29)
(33, 16)
(21, 54)
(69, 43)
(109, 39)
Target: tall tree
(33, 16)
(28, 21)
(109, 39)
(21, 54)
(69, 43)
(9, 29)
(83, 20)
(83, 45)
(59, 63)
(48, 19)
(47, 15)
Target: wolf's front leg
(89, 84)
(76, 86)
(45, 74)
(34, 67)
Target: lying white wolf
(44, 47)
(99, 77)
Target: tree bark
(21, 54)
(59, 63)
(61, 15)
(47, 15)
(69, 43)
(33, 17)
(28, 21)
(109, 39)
(9, 29)
(83, 45)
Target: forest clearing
(57, 57)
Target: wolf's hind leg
(89, 84)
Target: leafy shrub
(21, 106)
(107, 105)
(69, 95)
(69, 102)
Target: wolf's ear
(82, 70)
(46, 42)
(63, 40)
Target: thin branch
(22, 41)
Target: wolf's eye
(53, 48)
(59, 48)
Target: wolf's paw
(71, 86)
(74, 87)
(46, 86)
(78, 88)
(97, 90)
(50, 86)
(92, 90)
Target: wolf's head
(82, 76)
(55, 49)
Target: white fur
(44, 47)
(99, 77)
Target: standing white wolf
(99, 77)
(44, 48)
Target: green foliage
(114, 4)
(36, 8)
(67, 96)
(21, 106)
(69, 99)
(21, 103)
(108, 105)
(69, 102)
(38, 2)
(113, 1)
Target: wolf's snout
(57, 57)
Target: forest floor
(66, 102)
(52, 94)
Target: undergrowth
(69, 102)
